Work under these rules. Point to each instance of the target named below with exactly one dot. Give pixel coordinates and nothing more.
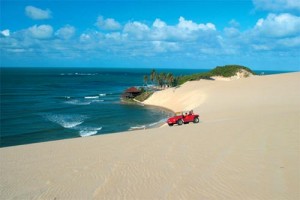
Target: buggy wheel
(180, 122)
(170, 124)
(196, 120)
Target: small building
(131, 93)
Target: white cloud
(84, 37)
(282, 25)
(41, 32)
(65, 32)
(231, 32)
(185, 30)
(290, 42)
(189, 25)
(161, 46)
(37, 13)
(277, 5)
(5, 33)
(116, 36)
(108, 24)
(161, 31)
(159, 24)
(136, 30)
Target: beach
(246, 146)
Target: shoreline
(247, 147)
(159, 123)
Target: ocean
(45, 104)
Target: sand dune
(245, 147)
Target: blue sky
(260, 34)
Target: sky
(197, 34)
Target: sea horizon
(161, 69)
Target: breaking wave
(152, 125)
(137, 127)
(66, 121)
(88, 131)
(91, 97)
(78, 102)
(78, 74)
(86, 101)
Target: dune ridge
(246, 146)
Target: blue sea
(45, 104)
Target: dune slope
(245, 147)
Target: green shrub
(225, 71)
(143, 96)
(228, 70)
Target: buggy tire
(170, 124)
(180, 122)
(196, 120)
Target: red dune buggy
(183, 118)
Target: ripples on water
(50, 104)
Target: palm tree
(146, 79)
(159, 80)
(163, 79)
(170, 79)
(153, 75)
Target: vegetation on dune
(224, 71)
(229, 70)
(165, 80)
(160, 79)
(144, 95)
(193, 77)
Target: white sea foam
(86, 74)
(95, 101)
(88, 131)
(102, 95)
(78, 74)
(78, 102)
(137, 127)
(91, 97)
(148, 125)
(66, 121)
(86, 101)
(153, 124)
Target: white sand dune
(246, 146)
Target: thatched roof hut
(131, 92)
